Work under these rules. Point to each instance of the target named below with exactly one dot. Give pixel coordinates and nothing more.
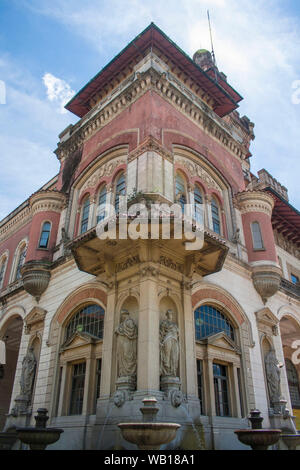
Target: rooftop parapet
(265, 180)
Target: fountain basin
(149, 436)
(7, 440)
(38, 438)
(291, 440)
(258, 439)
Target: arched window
(20, 262)
(101, 204)
(180, 192)
(89, 319)
(256, 236)
(198, 201)
(120, 190)
(293, 382)
(45, 235)
(209, 320)
(2, 270)
(215, 212)
(85, 215)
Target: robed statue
(28, 373)
(127, 334)
(169, 346)
(273, 376)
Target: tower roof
(225, 96)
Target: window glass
(120, 191)
(2, 270)
(198, 205)
(256, 236)
(180, 191)
(215, 216)
(101, 205)
(98, 380)
(45, 235)
(221, 390)
(85, 216)
(293, 382)
(89, 319)
(21, 261)
(77, 388)
(208, 321)
(200, 385)
(295, 279)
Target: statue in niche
(273, 376)
(169, 346)
(28, 373)
(127, 333)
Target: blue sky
(50, 49)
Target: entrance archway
(11, 335)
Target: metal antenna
(212, 46)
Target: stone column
(88, 384)
(190, 345)
(236, 395)
(148, 337)
(107, 347)
(62, 391)
(209, 389)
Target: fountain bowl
(38, 438)
(149, 436)
(291, 440)
(258, 439)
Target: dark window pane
(256, 236)
(208, 321)
(221, 390)
(200, 385)
(44, 239)
(77, 389)
(89, 319)
(85, 216)
(215, 217)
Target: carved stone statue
(169, 346)
(28, 373)
(273, 376)
(127, 333)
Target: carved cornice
(16, 222)
(254, 201)
(191, 106)
(47, 200)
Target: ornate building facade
(91, 325)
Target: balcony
(290, 289)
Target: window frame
(41, 233)
(85, 220)
(214, 203)
(261, 246)
(99, 212)
(73, 351)
(183, 198)
(3, 266)
(117, 195)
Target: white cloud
(58, 90)
(256, 44)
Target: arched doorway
(11, 335)
(290, 334)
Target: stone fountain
(257, 437)
(149, 435)
(39, 437)
(291, 440)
